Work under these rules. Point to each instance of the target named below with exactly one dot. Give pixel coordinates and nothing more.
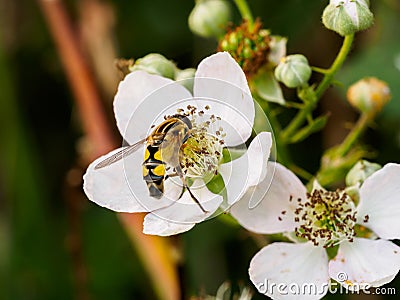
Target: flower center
(202, 152)
(326, 218)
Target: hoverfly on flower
(180, 174)
(164, 150)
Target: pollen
(202, 152)
(326, 218)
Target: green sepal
(267, 87)
(216, 185)
(229, 154)
(332, 251)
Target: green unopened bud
(293, 70)
(186, 78)
(155, 63)
(361, 171)
(347, 16)
(369, 95)
(209, 17)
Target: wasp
(163, 150)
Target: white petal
(155, 225)
(120, 186)
(220, 80)
(186, 210)
(249, 169)
(108, 187)
(258, 154)
(290, 271)
(380, 201)
(141, 99)
(365, 261)
(277, 195)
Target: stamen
(202, 151)
(326, 218)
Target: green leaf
(314, 126)
(268, 88)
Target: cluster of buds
(249, 45)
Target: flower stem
(283, 155)
(340, 158)
(320, 70)
(344, 51)
(245, 11)
(298, 120)
(354, 134)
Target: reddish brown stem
(83, 87)
(154, 251)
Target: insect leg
(171, 175)
(180, 173)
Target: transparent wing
(119, 155)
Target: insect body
(163, 149)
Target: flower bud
(293, 70)
(249, 45)
(155, 63)
(209, 17)
(361, 171)
(369, 95)
(347, 16)
(186, 78)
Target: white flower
(221, 111)
(324, 219)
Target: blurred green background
(54, 243)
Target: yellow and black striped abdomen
(154, 171)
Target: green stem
(244, 10)
(320, 70)
(300, 172)
(283, 155)
(354, 134)
(281, 149)
(298, 120)
(327, 174)
(344, 51)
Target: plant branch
(354, 134)
(245, 11)
(341, 57)
(153, 251)
(298, 120)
